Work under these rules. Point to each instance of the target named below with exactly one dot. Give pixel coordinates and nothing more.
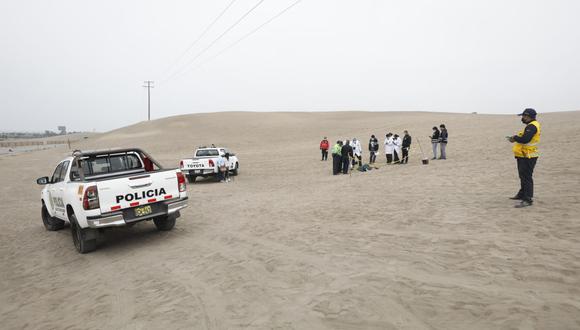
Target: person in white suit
(357, 151)
(389, 147)
(398, 142)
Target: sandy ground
(4, 152)
(289, 246)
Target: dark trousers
(526, 170)
(396, 154)
(389, 158)
(324, 154)
(336, 164)
(354, 160)
(345, 165)
(373, 157)
(405, 156)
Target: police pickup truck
(204, 163)
(99, 189)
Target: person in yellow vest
(526, 152)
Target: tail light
(181, 164)
(91, 198)
(181, 182)
(211, 163)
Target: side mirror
(42, 181)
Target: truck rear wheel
(50, 223)
(84, 239)
(165, 223)
(236, 169)
(191, 178)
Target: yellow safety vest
(530, 149)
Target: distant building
(62, 130)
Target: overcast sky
(82, 63)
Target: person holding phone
(525, 150)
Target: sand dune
(289, 246)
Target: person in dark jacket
(443, 136)
(336, 158)
(373, 148)
(346, 154)
(435, 141)
(526, 153)
(406, 147)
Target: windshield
(206, 153)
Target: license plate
(197, 171)
(143, 210)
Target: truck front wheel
(85, 240)
(165, 223)
(50, 223)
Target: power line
(245, 36)
(190, 47)
(215, 40)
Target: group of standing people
(346, 154)
(439, 139)
(397, 148)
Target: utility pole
(148, 86)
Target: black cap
(529, 112)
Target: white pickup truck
(204, 163)
(99, 189)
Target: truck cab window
(100, 165)
(111, 164)
(117, 164)
(56, 174)
(74, 172)
(63, 170)
(132, 162)
(207, 153)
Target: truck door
(57, 191)
(51, 189)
